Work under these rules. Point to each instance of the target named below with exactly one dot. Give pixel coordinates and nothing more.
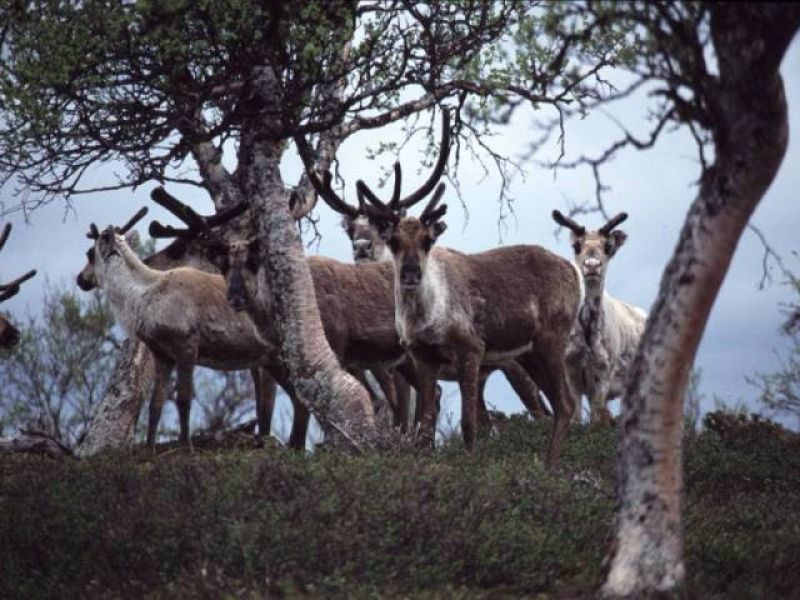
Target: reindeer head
(9, 335)
(373, 224)
(410, 239)
(594, 249)
(105, 244)
(238, 261)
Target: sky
(655, 187)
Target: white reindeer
(606, 334)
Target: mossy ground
(495, 523)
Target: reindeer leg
(427, 412)
(468, 368)
(163, 369)
(265, 387)
(548, 370)
(526, 389)
(598, 408)
(403, 392)
(297, 438)
(184, 401)
(484, 419)
(386, 380)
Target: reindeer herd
(409, 311)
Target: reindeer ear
(437, 229)
(177, 249)
(132, 238)
(615, 241)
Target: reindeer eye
(252, 262)
(222, 262)
(427, 243)
(609, 247)
(576, 246)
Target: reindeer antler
(196, 223)
(612, 223)
(379, 210)
(4, 235)
(396, 204)
(323, 188)
(133, 221)
(183, 211)
(568, 223)
(431, 214)
(12, 287)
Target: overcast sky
(654, 187)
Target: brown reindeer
(369, 244)
(355, 301)
(466, 311)
(9, 335)
(201, 340)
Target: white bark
(114, 423)
(336, 399)
(750, 140)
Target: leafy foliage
(404, 524)
(59, 371)
(780, 391)
(55, 377)
(147, 83)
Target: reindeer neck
(126, 280)
(425, 305)
(592, 315)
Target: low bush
(269, 522)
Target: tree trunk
(114, 423)
(288, 301)
(750, 134)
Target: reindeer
(205, 331)
(607, 333)
(355, 301)
(466, 311)
(368, 245)
(9, 335)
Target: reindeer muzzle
(9, 336)
(84, 284)
(237, 292)
(362, 250)
(592, 267)
(410, 276)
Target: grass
(250, 523)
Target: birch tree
(159, 86)
(714, 69)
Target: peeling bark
(289, 306)
(114, 423)
(750, 135)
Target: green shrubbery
(445, 523)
